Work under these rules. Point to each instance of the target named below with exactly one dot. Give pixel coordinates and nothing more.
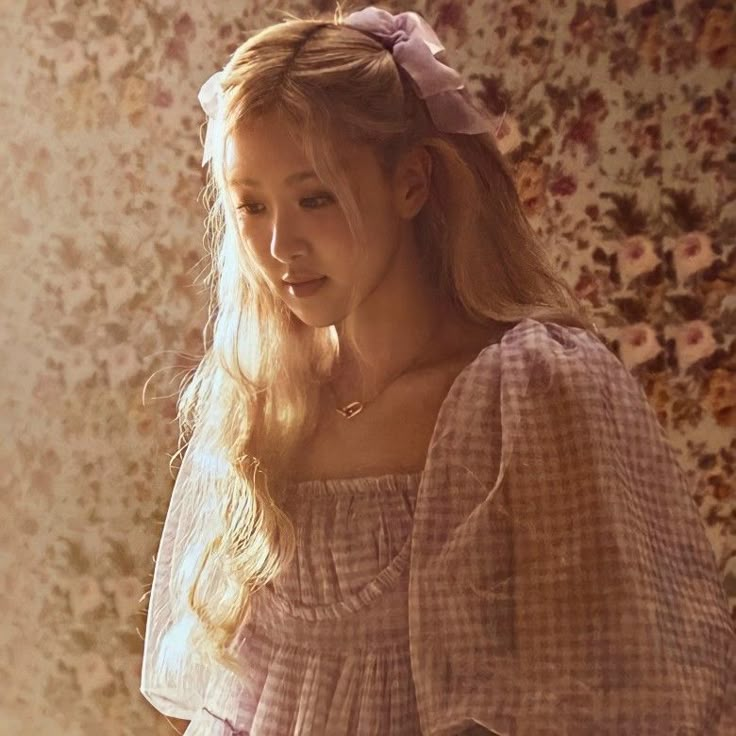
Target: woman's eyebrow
(291, 179)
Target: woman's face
(294, 224)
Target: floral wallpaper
(618, 118)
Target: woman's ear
(413, 178)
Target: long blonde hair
(254, 396)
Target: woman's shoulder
(518, 347)
(532, 347)
(532, 362)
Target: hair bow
(414, 46)
(210, 98)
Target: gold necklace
(355, 407)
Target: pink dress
(328, 648)
(546, 573)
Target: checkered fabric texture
(547, 573)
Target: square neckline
(381, 480)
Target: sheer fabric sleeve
(562, 581)
(173, 677)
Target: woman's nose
(285, 242)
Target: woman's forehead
(279, 144)
(271, 133)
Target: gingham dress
(329, 644)
(546, 573)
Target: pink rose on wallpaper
(70, 60)
(637, 344)
(636, 256)
(691, 252)
(693, 341)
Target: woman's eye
(326, 197)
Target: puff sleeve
(562, 581)
(173, 678)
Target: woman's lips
(307, 288)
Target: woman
(420, 494)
